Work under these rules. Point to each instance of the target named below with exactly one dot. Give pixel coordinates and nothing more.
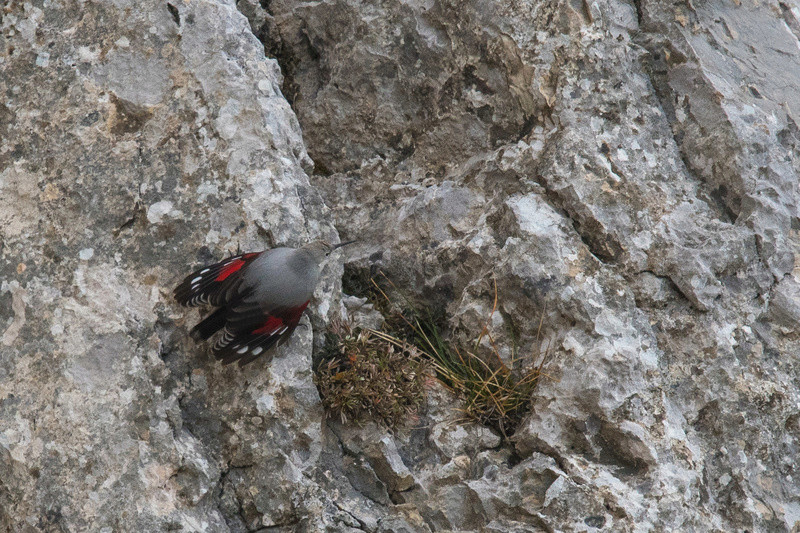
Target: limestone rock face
(626, 172)
(141, 139)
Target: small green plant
(493, 393)
(364, 375)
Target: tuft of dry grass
(364, 375)
(493, 394)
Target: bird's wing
(215, 284)
(250, 331)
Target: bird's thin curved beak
(335, 246)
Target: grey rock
(405, 520)
(643, 208)
(371, 442)
(389, 466)
(784, 307)
(145, 140)
(451, 437)
(626, 172)
(362, 313)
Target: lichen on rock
(628, 171)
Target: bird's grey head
(319, 250)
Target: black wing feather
(204, 286)
(250, 332)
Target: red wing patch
(234, 266)
(293, 315)
(288, 318)
(213, 284)
(272, 325)
(245, 347)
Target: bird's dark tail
(210, 325)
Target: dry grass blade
(496, 396)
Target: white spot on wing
(198, 278)
(258, 350)
(204, 271)
(242, 349)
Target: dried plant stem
(494, 395)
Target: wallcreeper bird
(261, 297)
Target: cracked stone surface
(626, 172)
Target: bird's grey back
(283, 278)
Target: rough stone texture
(626, 171)
(138, 140)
